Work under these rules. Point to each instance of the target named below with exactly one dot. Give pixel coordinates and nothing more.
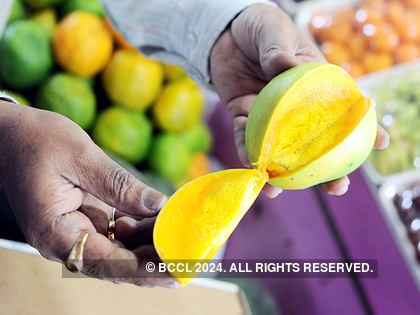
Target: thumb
(276, 43)
(102, 177)
(267, 35)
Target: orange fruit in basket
(335, 52)
(319, 22)
(118, 38)
(377, 61)
(131, 80)
(369, 15)
(339, 31)
(82, 44)
(395, 12)
(345, 15)
(357, 45)
(409, 27)
(385, 39)
(406, 52)
(412, 3)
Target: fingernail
(175, 285)
(152, 199)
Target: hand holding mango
(250, 54)
(309, 125)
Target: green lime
(123, 132)
(70, 96)
(25, 54)
(19, 98)
(93, 6)
(18, 11)
(170, 157)
(198, 138)
(40, 4)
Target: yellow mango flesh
(337, 161)
(302, 115)
(198, 219)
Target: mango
(310, 124)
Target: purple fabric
(293, 226)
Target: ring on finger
(74, 262)
(111, 225)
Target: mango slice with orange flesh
(310, 124)
(198, 219)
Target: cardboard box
(30, 284)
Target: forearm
(181, 32)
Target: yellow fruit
(198, 219)
(82, 44)
(309, 125)
(179, 107)
(132, 80)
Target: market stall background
(378, 42)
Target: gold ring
(111, 225)
(74, 261)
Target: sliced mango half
(198, 219)
(309, 125)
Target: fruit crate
(399, 199)
(362, 36)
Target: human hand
(59, 183)
(261, 43)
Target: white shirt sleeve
(180, 32)
(5, 9)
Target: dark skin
(59, 183)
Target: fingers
(271, 191)
(336, 187)
(103, 259)
(117, 187)
(382, 139)
(134, 233)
